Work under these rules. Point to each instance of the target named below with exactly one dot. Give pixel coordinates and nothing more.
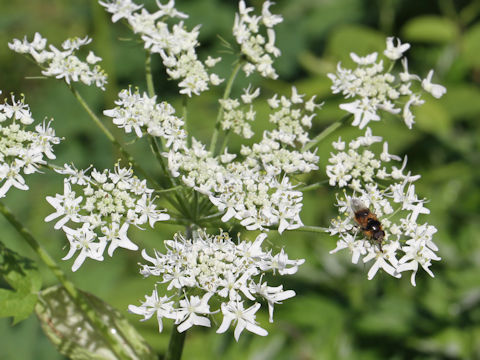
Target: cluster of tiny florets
(226, 277)
(22, 151)
(374, 89)
(255, 188)
(142, 114)
(389, 192)
(63, 63)
(258, 50)
(111, 202)
(237, 119)
(176, 45)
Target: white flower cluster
(374, 89)
(257, 49)
(389, 193)
(176, 46)
(141, 113)
(111, 202)
(236, 119)
(64, 63)
(256, 189)
(229, 274)
(22, 150)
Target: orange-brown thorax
(369, 224)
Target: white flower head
(256, 45)
(111, 202)
(370, 88)
(22, 150)
(216, 267)
(379, 223)
(174, 43)
(63, 64)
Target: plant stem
(177, 339)
(226, 94)
(112, 138)
(313, 186)
(327, 131)
(148, 75)
(315, 229)
(175, 346)
(82, 303)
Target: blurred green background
(337, 313)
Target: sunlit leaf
(471, 46)
(354, 38)
(73, 335)
(429, 28)
(432, 118)
(24, 282)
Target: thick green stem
(175, 346)
(327, 131)
(177, 339)
(72, 291)
(226, 94)
(112, 138)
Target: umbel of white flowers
(22, 151)
(111, 202)
(408, 243)
(63, 63)
(224, 276)
(253, 187)
(373, 89)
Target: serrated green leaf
(24, 283)
(433, 29)
(73, 335)
(17, 304)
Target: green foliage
(22, 281)
(70, 331)
(431, 29)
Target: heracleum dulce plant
(209, 277)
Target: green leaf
(461, 101)
(471, 46)
(433, 118)
(73, 335)
(452, 343)
(392, 316)
(353, 38)
(429, 28)
(24, 282)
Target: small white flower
(162, 307)
(187, 313)
(83, 239)
(243, 318)
(395, 52)
(366, 60)
(435, 89)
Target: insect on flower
(368, 222)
